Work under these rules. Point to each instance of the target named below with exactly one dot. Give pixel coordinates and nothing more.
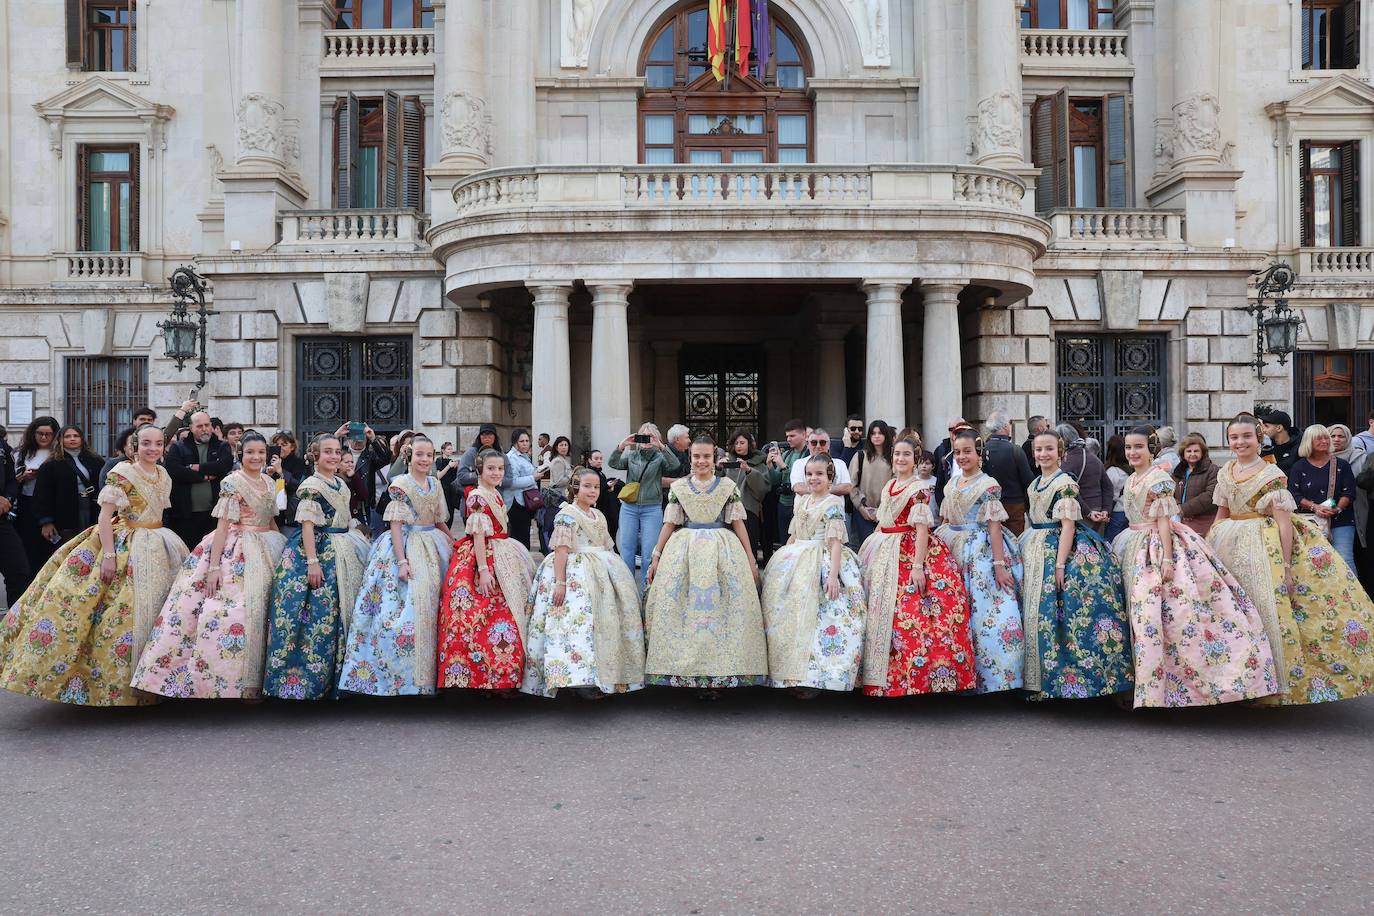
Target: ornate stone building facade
(437, 213)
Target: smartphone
(273, 451)
(357, 431)
(641, 439)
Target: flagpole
(732, 24)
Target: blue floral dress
(1078, 639)
(305, 634)
(998, 644)
(393, 638)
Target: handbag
(533, 498)
(630, 492)
(1324, 524)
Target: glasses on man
(820, 441)
(856, 429)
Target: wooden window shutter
(83, 190)
(1348, 25)
(1120, 192)
(413, 153)
(76, 21)
(1304, 389)
(134, 194)
(346, 129)
(1063, 183)
(1350, 193)
(391, 150)
(1042, 151)
(1305, 221)
(1363, 401)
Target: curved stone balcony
(726, 223)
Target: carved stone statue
(578, 23)
(870, 18)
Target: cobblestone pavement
(660, 803)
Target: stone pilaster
(884, 368)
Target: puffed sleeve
(835, 526)
(312, 508)
(478, 521)
(1066, 506)
(116, 492)
(1276, 498)
(673, 514)
(734, 508)
(230, 503)
(1225, 489)
(991, 508)
(1159, 501)
(400, 509)
(920, 513)
(564, 531)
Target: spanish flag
(716, 29)
(743, 36)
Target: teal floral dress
(305, 642)
(1078, 639)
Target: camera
(641, 439)
(770, 446)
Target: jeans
(1343, 540)
(640, 524)
(861, 530)
(1116, 525)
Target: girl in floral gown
(209, 639)
(584, 626)
(392, 640)
(315, 587)
(76, 633)
(917, 637)
(703, 619)
(1319, 621)
(813, 594)
(990, 564)
(1198, 639)
(482, 606)
(1078, 636)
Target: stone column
(551, 395)
(832, 402)
(260, 110)
(610, 390)
(884, 372)
(944, 91)
(941, 361)
(997, 130)
(465, 119)
(1197, 107)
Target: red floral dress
(481, 637)
(929, 647)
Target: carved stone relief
(1196, 130)
(466, 125)
(260, 128)
(998, 126)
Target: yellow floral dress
(73, 639)
(1321, 633)
(704, 622)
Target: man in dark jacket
(1283, 440)
(1007, 464)
(1095, 491)
(370, 455)
(196, 466)
(944, 456)
(14, 562)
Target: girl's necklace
(1241, 473)
(150, 478)
(257, 482)
(1043, 483)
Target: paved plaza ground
(658, 803)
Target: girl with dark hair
(1114, 460)
(521, 477)
(702, 614)
(35, 448)
(917, 636)
(1319, 621)
(869, 471)
(66, 488)
(1078, 635)
(487, 438)
(392, 640)
(559, 467)
(482, 608)
(584, 629)
(315, 587)
(125, 446)
(208, 641)
(743, 464)
(990, 564)
(77, 632)
(1198, 638)
(813, 595)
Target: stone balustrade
(667, 187)
(353, 230)
(1103, 228)
(1051, 50)
(98, 267)
(360, 50)
(1336, 262)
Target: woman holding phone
(646, 461)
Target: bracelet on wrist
(310, 562)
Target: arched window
(686, 116)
